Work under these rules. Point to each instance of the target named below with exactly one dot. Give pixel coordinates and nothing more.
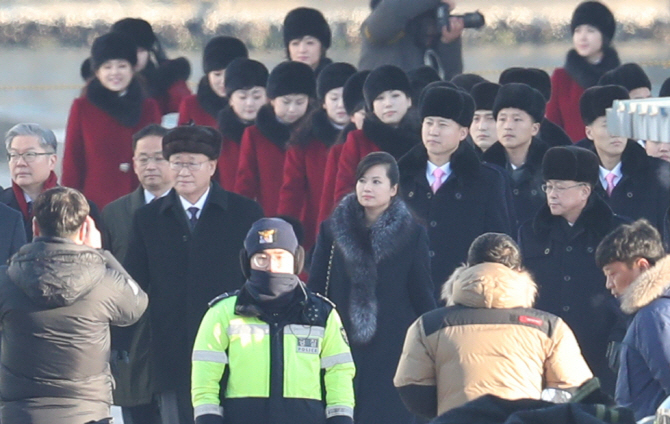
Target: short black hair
(60, 212)
(495, 247)
(151, 129)
(379, 158)
(629, 242)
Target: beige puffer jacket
(489, 341)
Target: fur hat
(291, 78)
(484, 94)
(520, 96)
(534, 77)
(665, 89)
(595, 101)
(434, 84)
(597, 15)
(220, 51)
(467, 81)
(385, 78)
(270, 233)
(571, 163)
(628, 75)
(113, 45)
(243, 74)
(353, 92)
(419, 78)
(192, 139)
(333, 76)
(305, 21)
(448, 103)
(138, 30)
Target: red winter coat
(170, 102)
(354, 149)
(227, 164)
(563, 107)
(327, 202)
(190, 109)
(98, 150)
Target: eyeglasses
(558, 189)
(144, 160)
(261, 260)
(192, 166)
(28, 157)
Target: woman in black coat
(371, 258)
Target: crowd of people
(318, 243)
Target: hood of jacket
(489, 285)
(647, 287)
(56, 272)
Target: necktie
(30, 209)
(610, 182)
(194, 217)
(437, 173)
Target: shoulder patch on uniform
(326, 299)
(220, 297)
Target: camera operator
(409, 34)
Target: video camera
(470, 20)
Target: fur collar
(634, 158)
(496, 155)
(208, 100)
(649, 286)
(316, 126)
(464, 161)
(489, 285)
(161, 78)
(553, 135)
(596, 217)
(272, 129)
(587, 74)
(126, 109)
(230, 125)
(342, 136)
(394, 140)
(363, 249)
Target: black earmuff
(246, 265)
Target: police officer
(273, 339)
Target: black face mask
(271, 287)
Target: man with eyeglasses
(31, 153)
(558, 247)
(184, 250)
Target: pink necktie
(437, 173)
(610, 182)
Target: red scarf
(51, 182)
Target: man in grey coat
(58, 297)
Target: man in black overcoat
(184, 251)
(12, 234)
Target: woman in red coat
(290, 87)
(388, 128)
(203, 107)
(245, 90)
(306, 157)
(592, 28)
(98, 140)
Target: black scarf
(208, 99)
(127, 109)
(587, 74)
(230, 125)
(271, 289)
(394, 140)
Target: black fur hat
(291, 78)
(220, 51)
(434, 84)
(448, 103)
(243, 74)
(665, 89)
(113, 45)
(628, 75)
(596, 100)
(305, 21)
(484, 94)
(333, 76)
(385, 78)
(571, 163)
(536, 78)
(193, 139)
(467, 81)
(520, 96)
(597, 15)
(138, 30)
(419, 78)
(353, 92)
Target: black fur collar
(394, 140)
(587, 74)
(363, 249)
(342, 136)
(464, 161)
(160, 79)
(126, 109)
(272, 129)
(316, 126)
(496, 155)
(596, 217)
(633, 159)
(208, 99)
(230, 124)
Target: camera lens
(473, 20)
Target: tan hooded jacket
(489, 341)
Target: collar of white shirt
(148, 197)
(199, 204)
(446, 168)
(616, 171)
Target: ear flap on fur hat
(594, 102)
